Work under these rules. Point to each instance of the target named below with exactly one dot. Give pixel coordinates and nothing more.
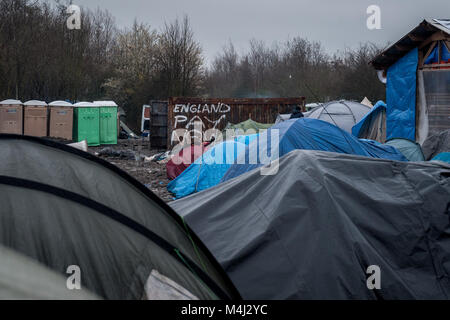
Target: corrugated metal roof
(411, 40)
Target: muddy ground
(151, 174)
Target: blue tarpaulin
(209, 169)
(366, 120)
(401, 98)
(309, 134)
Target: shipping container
(11, 116)
(108, 121)
(86, 123)
(61, 120)
(35, 121)
(216, 113)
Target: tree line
(40, 58)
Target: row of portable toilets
(96, 122)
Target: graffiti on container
(196, 118)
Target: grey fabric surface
(312, 230)
(22, 278)
(114, 259)
(436, 144)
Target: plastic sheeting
(310, 134)
(209, 169)
(373, 125)
(312, 230)
(401, 97)
(410, 149)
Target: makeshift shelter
(436, 144)
(22, 278)
(312, 230)
(179, 162)
(344, 114)
(35, 118)
(63, 207)
(61, 120)
(209, 169)
(11, 116)
(245, 126)
(310, 134)
(416, 70)
(410, 149)
(373, 125)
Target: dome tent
(311, 230)
(343, 113)
(410, 149)
(309, 134)
(81, 210)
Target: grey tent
(436, 144)
(312, 230)
(62, 207)
(22, 278)
(343, 113)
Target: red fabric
(184, 159)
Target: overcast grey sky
(337, 24)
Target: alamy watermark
(230, 147)
(374, 280)
(374, 20)
(74, 21)
(73, 282)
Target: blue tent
(209, 169)
(373, 124)
(410, 149)
(310, 134)
(443, 156)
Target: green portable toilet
(108, 121)
(86, 123)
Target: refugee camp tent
(209, 169)
(22, 278)
(373, 125)
(410, 149)
(343, 113)
(436, 143)
(417, 76)
(312, 230)
(62, 207)
(243, 127)
(179, 162)
(308, 134)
